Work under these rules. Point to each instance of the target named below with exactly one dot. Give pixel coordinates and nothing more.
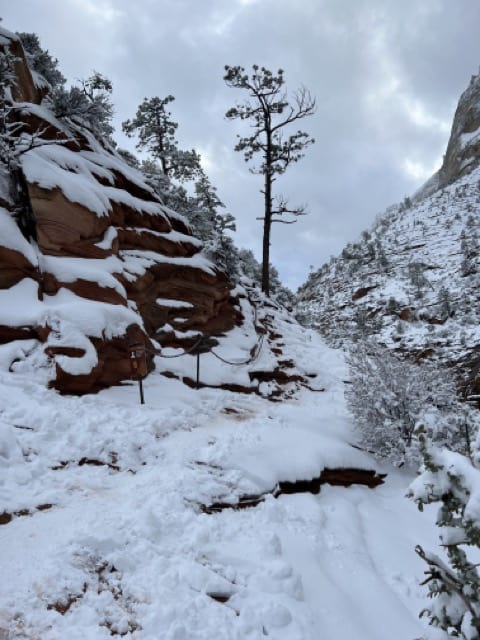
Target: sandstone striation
(100, 263)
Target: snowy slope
(108, 537)
(412, 279)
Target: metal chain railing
(186, 352)
(256, 351)
(203, 344)
(252, 358)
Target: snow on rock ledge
(85, 283)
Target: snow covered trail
(124, 548)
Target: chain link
(186, 352)
(252, 358)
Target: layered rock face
(463, 150)
(90, 259)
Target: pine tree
(417, 277)
(252, 269)
(270, 112)
(156, 134)
(211, 226)
(453, 481)
(172, 195)
(88, 104)
(129, 157)
(445, 303)
(381, 257)
(202, 212)
(41, 62)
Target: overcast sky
(387, 75)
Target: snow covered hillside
(108, 523)
(412, 278)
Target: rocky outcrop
(24, 90)
(341, 477)
(463, 150)
(100, 263)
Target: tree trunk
(267, 222)
(266, 257)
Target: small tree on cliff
(90, 104)
(156, 134)
(40, 61)
(211, 225)
(9, 127)
(270, 110)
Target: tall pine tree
(270, 113)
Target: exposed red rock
(24, 89)
(14, 266)
(151, 241)
(405, 314)
(65, 227)
(113, 364)
(102, 237)
(340, 477)
(9, 334)
(361, 293)
(424, 355)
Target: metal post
(138, 365)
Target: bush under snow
(390, 398)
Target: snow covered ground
(121, 547)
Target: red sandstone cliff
(104, 265)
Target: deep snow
(126, 549)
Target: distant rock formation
(463, 150)
(105, 263)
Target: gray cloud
(387, 76)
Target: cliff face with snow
(412, 279)
(463, 150)
(90, 259)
